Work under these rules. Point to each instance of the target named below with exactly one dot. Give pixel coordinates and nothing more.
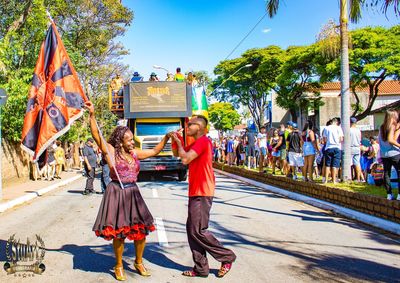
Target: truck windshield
(156, 129)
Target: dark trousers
(105, 177)
(200, 239)
(388, 162)
(90, 179)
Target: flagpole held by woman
(123, 214)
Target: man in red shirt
(201, 191)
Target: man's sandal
(119, 273)
(141, 269)
(225, 268)
(192, 273)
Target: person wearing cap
(262, 144)
(153, 77)
(90, 161)
(355, 145)
(136, 77)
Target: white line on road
(162, 235)
(155, 193)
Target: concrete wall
(14, 161)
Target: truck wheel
(182, 175)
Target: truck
(152, 109)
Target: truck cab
(153, 109)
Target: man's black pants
(90, 179)
(200, 239)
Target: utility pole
(3, 100)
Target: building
(389, 92)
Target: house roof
(389, 87)
(240, 127)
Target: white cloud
(267, 30)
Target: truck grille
(151, 145)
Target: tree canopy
(89, 30)
(223, 116)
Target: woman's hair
(390, 116)
(308, 126)
(117, 137)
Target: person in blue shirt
(136, 77)
(230, 151)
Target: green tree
(89, 30)
(298, 85)
(223, 116)
(249, 86)
(374, 57)
(355, 15)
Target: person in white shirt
(333, 138)
(262, 144)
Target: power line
(244, 38)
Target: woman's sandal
(141, 269)
(192, 273)
(119, 273)
(225, 268)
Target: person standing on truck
(201, 192)
(123, 212)
(153, 77)
(179, 77)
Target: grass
(362, 188)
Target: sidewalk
(20, 192)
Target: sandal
(192, 273)
(225, 268)
(119, 273)
(141, 269)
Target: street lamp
(159, 67)
(245, 66)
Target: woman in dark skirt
(123, 212)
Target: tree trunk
(293, 113)
(345, 90)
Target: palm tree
(355, 14)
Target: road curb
(29, 196)
(349, 213)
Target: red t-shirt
(201, 173)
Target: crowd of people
(309, 153)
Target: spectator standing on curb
(310, 147)
(355, 148)
(251, 150)
(51, 162)
(230, 151)
(90, 161)
(275, 151)
(262, 144)
(390, 149)
(59, 155)
(294, 151)
(333, 138)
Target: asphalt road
(275, 239)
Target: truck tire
(182, 175)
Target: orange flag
(55, 99)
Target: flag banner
(199, 101)
(55, 98)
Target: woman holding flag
(123, 212)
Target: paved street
(275, 239)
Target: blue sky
(198, 34)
